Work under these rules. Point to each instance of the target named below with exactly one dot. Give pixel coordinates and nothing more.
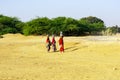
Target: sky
(26, 10)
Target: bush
(109, 31)
(1, 36)
(8, 30)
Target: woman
(48, 43)
(54, 43)
(61, 44)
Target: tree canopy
(92, 24)
(10, 25)
(43, 25)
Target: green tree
(92, 24)
(71, 27)
(57, 25)
(8, 24)
(36, 26)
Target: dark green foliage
(57, 25)
(9, 25)
(92, 24)
(44, 25)
(37, 26)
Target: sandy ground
(85, 58)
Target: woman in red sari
(61, 44)
(53, 43)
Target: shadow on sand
(74, 48)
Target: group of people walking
(52, 43)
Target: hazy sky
(25, 10)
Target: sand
(85, 58)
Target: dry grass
(85, 58)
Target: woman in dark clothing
(48, 43)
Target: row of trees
(69, 26)
(43, 25)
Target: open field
(85, 58)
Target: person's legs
(54, 47)
(61, 48)
(48, 47)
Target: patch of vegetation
(43, 25)
(1, 36)
(111, 31)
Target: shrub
(1, 36)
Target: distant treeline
(43, 25)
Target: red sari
(53, 41)
(54, 44)
(61, 44)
